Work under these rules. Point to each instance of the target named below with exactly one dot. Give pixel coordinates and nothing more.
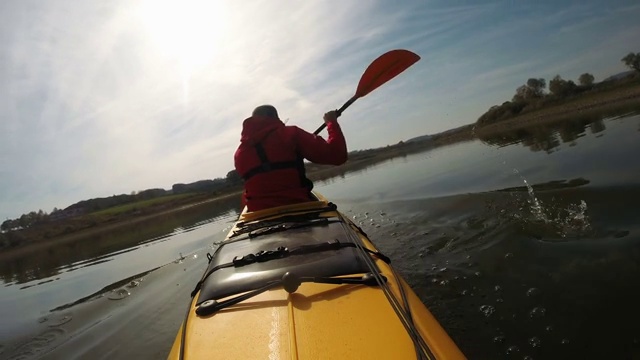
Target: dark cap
(265, 110)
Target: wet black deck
(233, 280)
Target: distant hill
(619, 76)
(419, 138)
(463, 128)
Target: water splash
(575, 220)
(534, 342)
(571, 220)
(532, 292)
(487, 310)
(536, 205)
(512, 350)
(537, 312)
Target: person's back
(271, 156)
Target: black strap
(262, 154)
(279, 253)
(290, 282)
(266, 166)
(263, 256)
(245, 227)
(302, 171)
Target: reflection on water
(549, 136)
(503, 280)
(50, 261)
(58, 277)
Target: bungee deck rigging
(296, 274)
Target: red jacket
(283, 145)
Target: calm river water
(524, 246)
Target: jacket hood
(256, 128)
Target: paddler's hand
(331, 116)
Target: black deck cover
(233, 280)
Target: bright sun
(188, 30)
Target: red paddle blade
(385, 68)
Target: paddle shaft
(339, 112)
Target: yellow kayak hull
(317, 321)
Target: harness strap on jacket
(266, 166)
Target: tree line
(34, 218)
(532, 95)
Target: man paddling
(271, 156)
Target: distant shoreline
(86, 233)
(583, 105)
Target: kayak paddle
(384, 68)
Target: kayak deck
(242, 310)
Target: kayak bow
(303, 281)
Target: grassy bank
(86, 226)
(604, 103)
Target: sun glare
(190, 31)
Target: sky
(99, 98)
